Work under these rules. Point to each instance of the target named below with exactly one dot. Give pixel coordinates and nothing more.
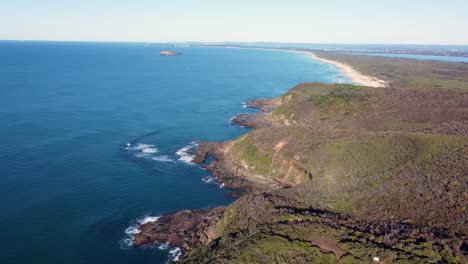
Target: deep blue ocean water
(70, 186)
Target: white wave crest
(132, 230)
(212, 180)
(209, 179)
(187, 153)
(147, 151)
(162, 158)
(143, 148)
(148, 219)
(164, 246)
(174, 254)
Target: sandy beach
(355, 76)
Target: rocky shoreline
(286, 201)
(189, 229)
(186, 229)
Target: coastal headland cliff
(337, 173)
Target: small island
(169, 53)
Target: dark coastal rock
(255, 120)
(236, 194)
(266, 105)
(244, 120)
(186, 229)
(204, 149)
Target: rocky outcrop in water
(186, 229)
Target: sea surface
(97, 137)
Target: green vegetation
(246, 151)
(407, 73)
(278, 249)
(367, 172)
(339, 94)
(366, 158)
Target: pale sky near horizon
(300, 21)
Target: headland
(339, 173)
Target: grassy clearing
(256, 161)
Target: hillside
(340, 174)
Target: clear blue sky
(327, 21)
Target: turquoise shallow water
(69, 184)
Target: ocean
(97, 137)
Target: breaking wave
(209, 179)
(143, 148)
(147, 151)
(162, 158)
(174, 254)
(212, 180)
(187, 153)
(126, 243)
(132, 230)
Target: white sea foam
(164, 246)
(142, 149)
(212, 180)
(133, 229)
(187, 153)
(174, 254)
(145, 148)
(231, 120)
(209, 179)
(162, 158)
(148, 219)
(148, 151)
(244, 105)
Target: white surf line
(354, 75)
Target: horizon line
(226, 42)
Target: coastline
(354, 75)
(273, 203)
(200, 223)
(351, 73)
